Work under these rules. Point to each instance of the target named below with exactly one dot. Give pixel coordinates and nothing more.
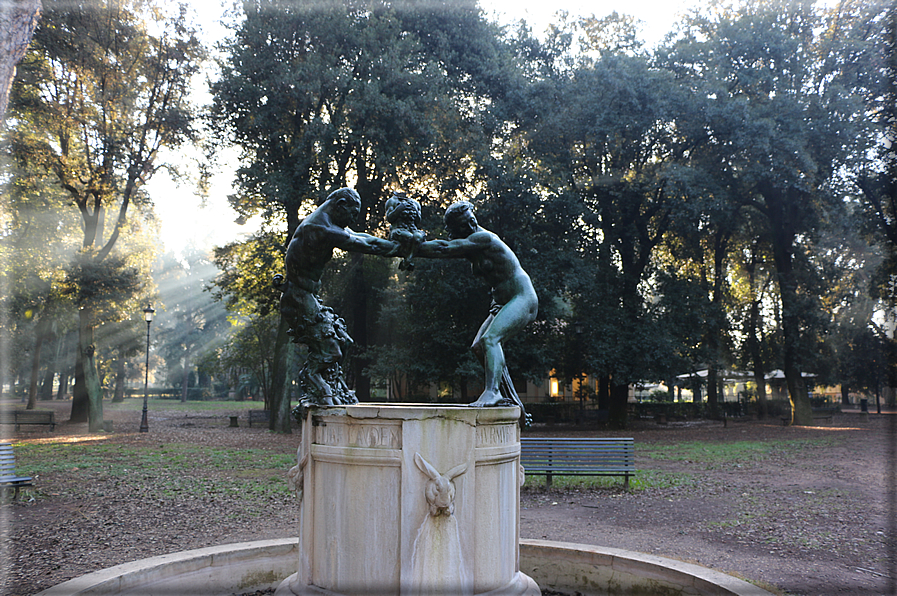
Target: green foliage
(96, 98)
(784, 112)
(610, 167)
(104, 87)
(382, 95)
(247, 357)
(429, 320)
(390, 92)
(681, 207)
(246, 273)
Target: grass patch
(736, 452)
(643, 480)
(169, 471)
(43, 458)
(135, 405)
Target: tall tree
(371, 94)
(785, 115)
(39, 231)
(18, 18)
(104, 88)
(876, 176)
(754, 289)
(608, 139)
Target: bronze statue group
(514, 301)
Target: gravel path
(811, 515)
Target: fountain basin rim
(238, 565)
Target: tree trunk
(720, 246)
(756, 357)
(63, 385)
(762, 405)
(604, 393)
(79, 392)
(801, 412)
(87, 355)
(62, 363)
(712, 393)
(360, 328)
(845, 394)
(35, 367)
(186, 378)
(119, 395)
(45, 393)
(18, 19)
(282, 375)
(618, 410)
(782, 220)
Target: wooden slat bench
(29, 417)
(578, 457)
(8, 476)
(258, 416)
(825, 413)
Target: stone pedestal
(409, 500)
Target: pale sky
(186, 220)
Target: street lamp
(148, 313)
(577, 328)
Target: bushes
(684, 409)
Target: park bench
(29, 417)
(825, 413)
(578, 457)
(8, 477)
(258, 416)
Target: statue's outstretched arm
(365, 243)
(448, 249)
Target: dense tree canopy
(725, 199)
(784, 85)
(670, 202)
(102, 90)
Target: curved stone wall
(250, 566)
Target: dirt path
(812, 518)
(805, 510)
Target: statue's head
(344, 206)
(460, 220)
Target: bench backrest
(34, 416)
(585, 453)
(7, 460)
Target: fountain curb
(250, 566)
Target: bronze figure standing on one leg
(515, 303)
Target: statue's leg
(509, 319)
(477, 346)
(491, 395)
